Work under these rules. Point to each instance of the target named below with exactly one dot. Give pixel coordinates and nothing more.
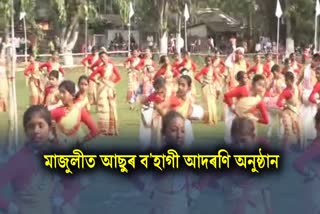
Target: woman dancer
(52, 65)
(173, 192)
(131, 65)
(35, 82)
(33, 188)
(150, 129)
(82, 99)
(190, 68)
(147, 67)
(88, 62)
(244, 194)
(275, 88)
(308, 79)
(307, 165)
(69, 117)
(51, 93)
(169, 73)
(257, 68)
(230, 98)
(290, 104)
(253, 106)
(211, 89)
(108, 77)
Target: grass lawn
(128, 120)
(109, 193)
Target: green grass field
(128, 120)
(109, 193)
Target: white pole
(315, 33)
(278, 28)
(13, 67)
(86, 42)
(26, 41)
(129, 32)
(185, 34)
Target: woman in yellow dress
(169, 73)
(211, 89)
(70, 116)
(290, 104)
(108, 77)
(253, 106)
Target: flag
(186, 12)
(131, 12)
(317, 8)
(278, 10)
(22, 15)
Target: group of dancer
(263, 93)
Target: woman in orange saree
(82, 99)
(108, 77)
(68, 118)
(4, 92)
(211, 89)
(35, 82)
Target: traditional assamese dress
(108, 76)
(271, 98)
(68, 124)
(33, 188)
(230, 98)
(51, 96)
(50, 66)
(308, 166)
(4, 92)
(210, 90)
(256, 69)
(169, 73)
(147, 66)
(83, 102)
(92, 93)
(35, 83)
(253, 108)
(233, 70)
(133, 78)
(191, 67)
(151, 122)
(267, 68)
(308, 109)
(290, 124)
